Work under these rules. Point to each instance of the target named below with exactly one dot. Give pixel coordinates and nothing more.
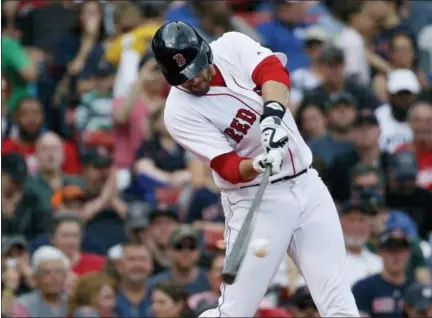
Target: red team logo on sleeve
(240, 125)
(179, 58)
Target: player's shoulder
(231, 39)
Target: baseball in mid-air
(260, 247)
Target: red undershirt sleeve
(227, 167)
(270, 69)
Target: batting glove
(273, 135)
(274, 157)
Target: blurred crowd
(104, 215)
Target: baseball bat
(241, 244)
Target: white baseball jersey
(227, 118)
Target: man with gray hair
(50, 267)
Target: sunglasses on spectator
(191, 245)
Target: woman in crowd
(312, 121)
(401, 55)
(96, 290)
(132, 113)
(170, 300)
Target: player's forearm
(275, 91)
(247, 172)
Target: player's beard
(203, 87)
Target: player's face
(200, 84)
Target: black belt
(281, 179)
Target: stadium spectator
(403, 193)
(161, 163)
(307, 78)
(387, 15)
(341, 113)
(30, 121)
(95, 290)
(402, 56)
(67, 236)
(402, 86)
(184, 252)
(365, 137)
(303, 304)
(215, 18)
(418, 301)
(49, 176)
(215, 280)
(105, 209)
(420, 120)
(381, 295)
(69, 199)
(333, 64)
(355, 219)
(22, 212)
(312, 121)
(93, 117)
(169, 299)
(84, 39)
(10, 280)
(50, 267)
(133, 298)
(359, 26)
(16, 254)
(17, 69)
(283, 33)
(367, 185)
(132, 112)
(163, 222)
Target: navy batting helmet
(180, 52)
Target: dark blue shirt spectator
(126, 309)
(198, 285)
(378, 297)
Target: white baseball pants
(298, 216)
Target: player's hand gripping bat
(241, 244)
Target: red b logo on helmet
(179, 58)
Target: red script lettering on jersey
(240, 125)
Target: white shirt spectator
(393, 132)
(356, 64)
(362, 265)
(304, 79)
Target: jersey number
(240, 124)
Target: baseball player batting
(228, 106)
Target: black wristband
(273, 109)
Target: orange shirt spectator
(421, 125)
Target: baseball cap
(13, 241)
(137, 215)
(394, 239)
(332, 55)
(67, 193)
(342, 99)
(183, 232)
(366, 117)
(164, 210)
(404, 164)
(316, 33)
(103, 69)
(357, 205)
(419, 296)
(14, 165)
(98, 156)
(85, 312)
(403, 80)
